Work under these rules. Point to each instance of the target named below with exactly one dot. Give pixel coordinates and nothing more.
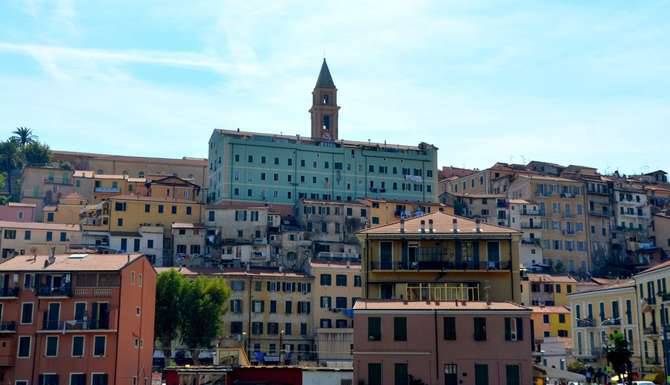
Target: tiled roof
(370, 304)
(548, 178)
(478, 195)
(178, 225)
(38, 226)
(660, 266)
(70, 262)
(20, 204)
(616, 285)
(442, 224)
(550, 278)
(185, 160)
(194, 271)
(324, 80)
(550, 309)
(127, 197)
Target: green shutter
(512, 375)
(400, 329)
(481, 374)
(374, 374)
(449, 328)
(508, 331)
(519, 329)
(401, 374)
(374, 328)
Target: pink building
(451, 343)
(18, 212)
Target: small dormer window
(325, 99)
(326, 122)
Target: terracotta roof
(50, 208)
(520, 202)
(550, 309)
(478, 195)
(127, 197)
(371, 304)
(20, 204)
(335, 264)
(178, 225)
(38, 226)
(617, 285)
(185, 160)
(550, 278)
(70, 262)
(660, 266)
(547, 178)
(193, 271)
(74, 195)
(442, 224)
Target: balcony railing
(93, 324)
(596, 213)
(107, 189)
(63, 291)
(530, 241)
(440, 265)
(652, 361)
(531, 225)
(650, 330)
(7, 326)
(585, 323)
(532, 212)
(611, 322)
(48, 324)
(9, 292)
(64, 182)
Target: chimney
(454, 223)
(423, 226)
(478, 226)
(402, 225)
(430, 225)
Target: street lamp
(281, 346)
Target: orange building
(77, 319)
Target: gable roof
(442, 224)
(65, 262)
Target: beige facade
(136, 166)
(29, 238)
(488, 208)
(547, 290)
(337, 286)
(383, 212)
(44, 186)
(68, 211)
(188, 240)
(632, 217)
(332, 225)
(661, 227)
(527, 217)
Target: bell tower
(324, 106)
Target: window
(210, 216)
(480, 328)
(51, 346)
(147, 208)
(400, 374)
(325, 280)
(256, 328)
(325, 323)
(512, 375)
(10, 234)
(374, 374)
(545, 318)
(288, 307)
(50, 236)
(303, 329)
(374, 328)
(48, 379)
(399, 329)
(99, 346)
(273, 306)
(481, 374)
(174, 209)
(449, 328)
(77, 379)
(161, 208)
(78, 343)
(236, 327)
(99, 379)
(340, 280)
(357, 281)
(340, 302)
(325, 302)
(27, 313)
(513, 329)
(188, 210)
(561, 318)
(258, 306)
(23, 347)
(273, 328)
(27, 235)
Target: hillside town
(313, 259)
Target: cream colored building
(661, 226)
(547, 290)
(527, 217)
(27, 238)
(67, 211)
(337, 286)
(44, 186)
(600, 311)
(188, 240)
(488, 208)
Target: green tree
(170, 287)
(618, 356)
(10, 160)
(23, 136)
(36, 154)
(204, 303)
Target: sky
(570, 82)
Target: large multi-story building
(632, 216)
(283, 169)
(77, 319)
(30, 238)
(337, 287)
(550, 321)
(43, 186)
(546, 290)
(440, 257)
(383, 212)
(598, 312)
(448, 342)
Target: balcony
(62, 182)
(530, 241)
(93, 324)
(440, 265)
(665, 296)
(531, 225)
(568, 215)
(596, 213)
(9, 292)
(569, 232)
(107, 189)
(62, 291)
(48, 324)
(7, 327)
(611, 322)
(650, 330)
(652, 361)
(532, 212)
(585, 323)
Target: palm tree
(10, 160)
(23, 136)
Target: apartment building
(447, 342)
(550, 321)
(488, 208)
(77, 319)
(632, 216)
(188, 240)
(44, 186)
(337, 287)
(481, 182)
(597, 313)
(270, 313)
(29, 238)
(564, 242)
(440, 257)
(283, 169)
(136, 166)
(547, 290)
(148, 241)
(383, 212)
(332, 225)
(527, 217)
(18, 212)
(653, 301)
(67, 211)
(661, 231)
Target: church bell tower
(324, 106)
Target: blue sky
(571, 82)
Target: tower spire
(324, 106)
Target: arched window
(325, 99)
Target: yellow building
(653, 302)
(440, 257)
(547, 290)
(267, 309)
(68, 210)
(44, 186)
(337, 286)
(27, 238)
(129, 212)
(661, 227)
(598, 312)
(382, 212)
(551, 321)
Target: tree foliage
(190, 309)
(619, 354)
(20, 150)
(36, 154)
(23, 136)
(10, 160)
